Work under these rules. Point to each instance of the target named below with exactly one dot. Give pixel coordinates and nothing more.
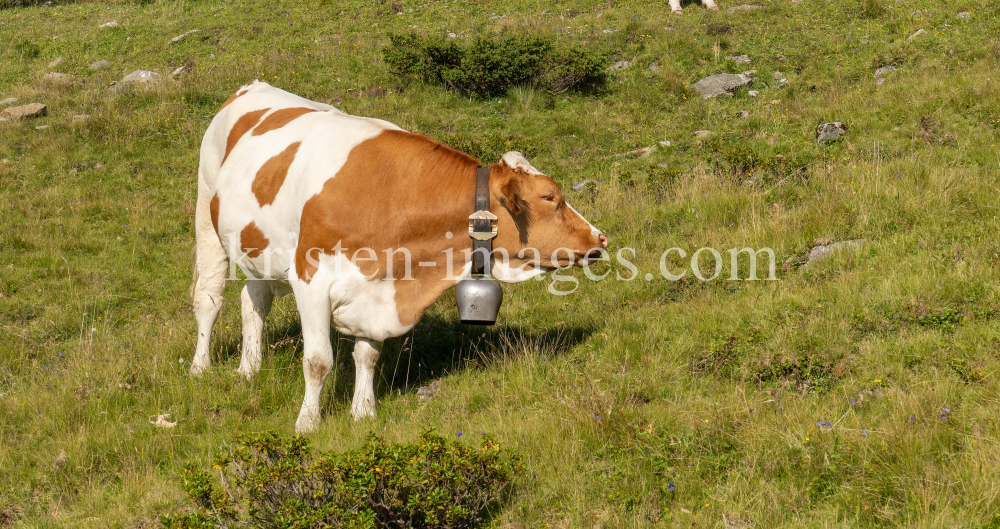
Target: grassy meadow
(858, 391)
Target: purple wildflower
(460, 433)
(670, 486)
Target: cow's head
(537, 227)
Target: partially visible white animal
(675, 6)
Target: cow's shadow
(439, 345)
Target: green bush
(744, 163)
(490, 66)
(489, 148)
(270, 482)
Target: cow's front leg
(317, 355)
(256, 297)
(365, 357)
(675, 6)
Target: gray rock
(744, 113)
(81, 117)
(654, 67)
(885, 70)
(112, 24)
(825, 250)
(920, 33)
(739, 59)
(618, 66)
(964, 15)
(743, 7)
(722, 84)
(182, 69)
(425, 393)
(56, 62)
(663, 165)
(57, 78)
(182, 35)
(638, 153)
(3, 119)
(42, 127)
(211, 56)
(99, 65)
(753, 93)
(141, 76)
(778, 76)
(32, 110)
(581, 186)
(665, 143)
(8, 101)
(828, 132)
(702, 133)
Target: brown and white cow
(675, 6)
(332, 207)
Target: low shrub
(488, 67)
(744, 163)
(271, 482)
(490, 147)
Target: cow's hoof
(362, 412)
(307, 423)
(678, 12)
(714, 8)
(198, 369)
(247, 372)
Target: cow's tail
(194, 262)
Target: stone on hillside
(141, 76)
(581, 186)
(56, 62)
(964, 15)
(917, 35)
(828, 132)
(182, 69)
(739, 59)
(744, 113)
(162, 422)
(112, 24)
(823, 251)
(654, 67)
(56, 78)
(702, 133)
(211, 56)
(99, 65)
(638, 153)
(42, 127)
(33, 110)
(81, 117)
(753, 93)
(665, 143)
(885, 70)
(722, 84)
(620, 65)
(743, 7)
(425, 393)
(8, 101)
(181, 36)
(778, 76)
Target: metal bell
(478, 300)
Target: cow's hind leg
(317, 356)
(365, 357)
(256, 302)
(211, 263)
(675, 6)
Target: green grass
(715, 387)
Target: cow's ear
(511, 194)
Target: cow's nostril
(603, 239)
(595, 253)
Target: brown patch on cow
(272, 174)
(242, 126)
(213, 208)
(403, 190)
(233, 98)
(279, 118)
(252, 241)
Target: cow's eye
(550, 197)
